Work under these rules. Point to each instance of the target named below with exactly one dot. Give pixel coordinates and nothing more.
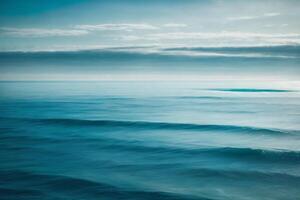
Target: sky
(72, 24)
(159, 28)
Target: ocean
(142, 140)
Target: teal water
(150, 140)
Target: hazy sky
(79, 24)
(149, 39)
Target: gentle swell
(148, 125)
(247, 154)
(44, 186)
(166, 126)
(116, 145)
(41, 186)
(246, 175)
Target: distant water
(149, 140)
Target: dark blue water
(149, 140)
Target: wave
(248, 154)
(255, 176)
(165, 126)
(258, 155)
(46, 185)
(148, 125)
(19, 184)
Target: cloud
(77, 30)
(38, 32)
(187, 53)
(116, 27)
(174, 25)
(223, 36)
(242, 18)
(215, 35)
(271, 14)
(265, 15)
(275, 25)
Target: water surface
(149, 140)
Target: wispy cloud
(215, 35)
(275, 25)
(272, 14)
(77, 30)
(116, 27)
(242, 18)
(223, 36)
(252, 17)
(38, 32)
(174, 25)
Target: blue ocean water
(150, 140)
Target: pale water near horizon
(150, 140)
